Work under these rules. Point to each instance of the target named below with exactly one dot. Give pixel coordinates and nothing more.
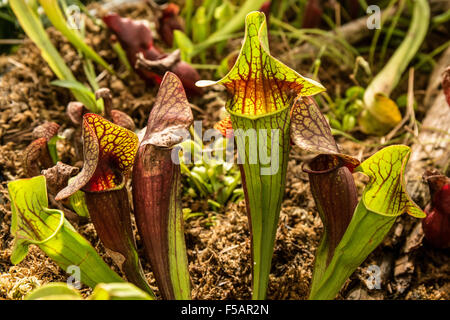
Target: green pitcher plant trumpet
(261, 91)
(383, 200)
(34, 223)
(109, 152)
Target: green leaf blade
(51, 8)
(36, 32)
(34, 223)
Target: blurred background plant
(209, 176)
(314, 32)
(9, 28)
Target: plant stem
(263, 185)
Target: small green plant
(213, 178)
(344, 111)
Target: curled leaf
(258, 83)
(109, 152)
(386, 192)
(58, 176)
(75, 111)
(161, 65)
(136, 38)
(116, 116)
(122, 119)
(133, 35)
(37, 154)
(105, 94)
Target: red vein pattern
(225, 127)
(258, 83)
(386, 192)
(109, 152)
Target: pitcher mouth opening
(321, 164)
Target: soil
(218, 243)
